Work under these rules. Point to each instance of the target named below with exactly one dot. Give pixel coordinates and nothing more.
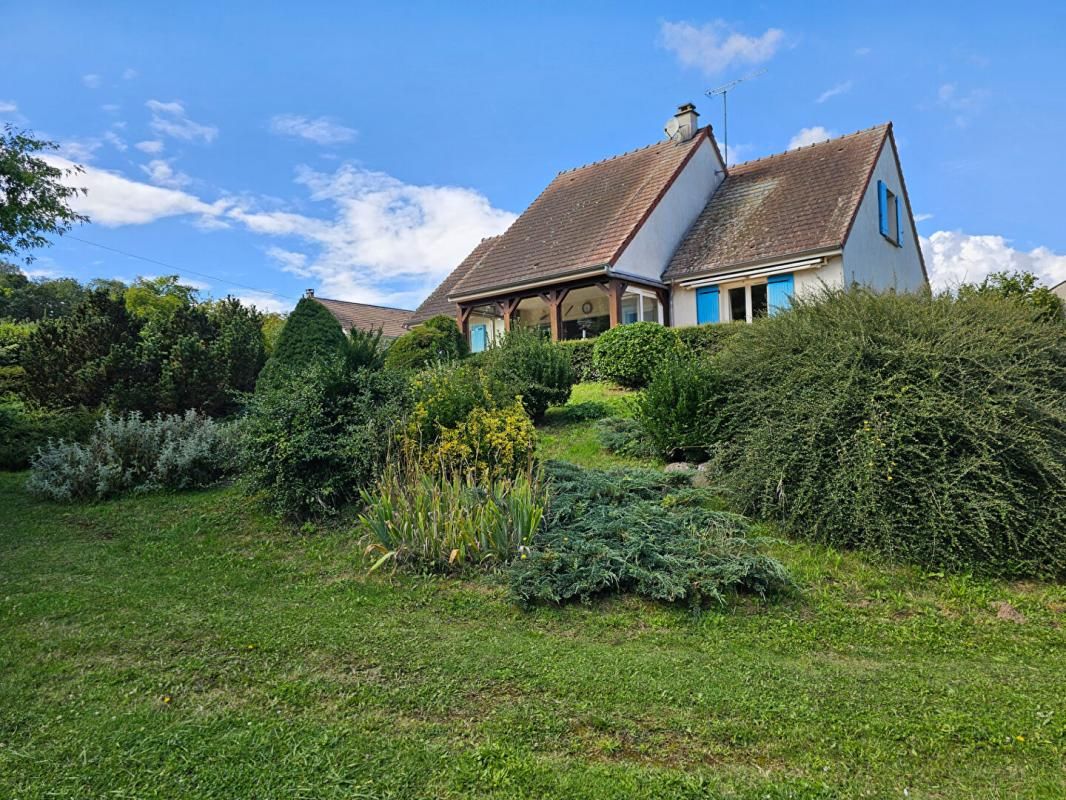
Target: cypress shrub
(311, 335)
(581, 351)
(929, 428)
(679, 410)
(528, 365)
(629, 354)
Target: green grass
(188, 646)
(564, 439)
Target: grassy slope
(291, 675)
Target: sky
(363, 149)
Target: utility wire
(182, 270)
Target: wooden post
(462, 316)
(614, 289)
(554, 298)
(507, 308)
(663, 296)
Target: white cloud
(161, 173)
(79, 150)
(91, 80)
(321, 130)
(115, 141)
(954, 257)
(388, 242)
(114, 200)
(964, 105)
(8, 107)
(151, 146)
(168, 119)
(808, 136)
(129, 74)
(266, 303)
(840, 88)
(922, 218)
(714, 46)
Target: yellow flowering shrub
(492, 444)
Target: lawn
(189, 646)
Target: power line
(181, 270)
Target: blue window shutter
(707, 305)
(779, 291)
(479, 338)
(882, 207)
(899, 221)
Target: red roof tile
(367, 317)
(796, 202)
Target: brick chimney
(309, 293)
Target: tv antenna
(724, 90)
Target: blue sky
(363, 149)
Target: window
(738, 303)
(889, 214)
(759, 305)
(637, 306)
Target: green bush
(932, 429)
(130, 453)
(366, 349)
(436, 340)
(581, 356)
(309, 447)
(490, 444)
(706, 340)
(640, 531)
(25, 427)
(526, 364)
(443, 396)
(679, 410)
(447, 521)
(311, 335)
(629, 354)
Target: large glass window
(738, 303)
(630, 308)
(649, 308)
(758, 300)
(640, 307)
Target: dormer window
(890, 214)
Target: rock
(679, 466)
(704, 467)
(1008, 613)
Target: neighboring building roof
(796, 202)
(1060, 289)
(437, 302)
(582, 220)
(367, 317)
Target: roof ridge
(628, 153)
(367, 305)
(809, 146)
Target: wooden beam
(462, 316)
(615, 289)
(663, 296)
(554, 298)
(507, 307)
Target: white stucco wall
(649, 252)
(807, 281)
(869, 258)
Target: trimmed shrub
(438, 339)
(447, 521)
(629, 354)
(640, 531)
(706, 340)
(679, 409)
(130, 453)
(25, 427)
(489, 444)
(308, 448)
(931, 429)
(581, 355)
(443, 397)
(311, 335)
(526, 364)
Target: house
(362, 316)
(1060, 290)
(668, 233)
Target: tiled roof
(367, 317)
(437, 302)
(582, 220)
(796, 202)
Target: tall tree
(311, 335)
(35, 200)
